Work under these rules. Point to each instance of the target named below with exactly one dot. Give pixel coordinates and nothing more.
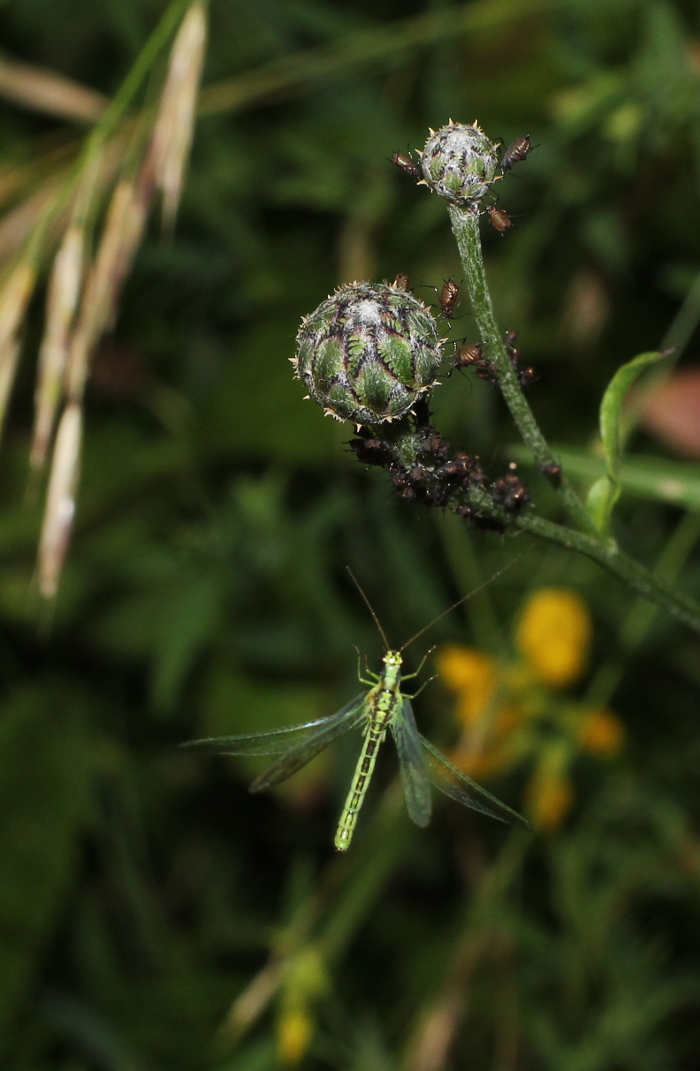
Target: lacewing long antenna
(368, 604)
(460, 601)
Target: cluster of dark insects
(437, 476)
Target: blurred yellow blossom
(471, 673)
(295, 1029)
(512, 711)
(601, 733)
(554, 635)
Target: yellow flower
(601, 733)
(554, 634)
(473, 675)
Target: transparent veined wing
(308, 748)
(272, 741)
(454, 783)
(414, 775)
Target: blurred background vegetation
(153, 914)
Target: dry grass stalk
(64, 291)
(174, 125)
(60, 500)
(121, 236)
(14, 297)
(17, 226)
(48, 92)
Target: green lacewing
(383, 708)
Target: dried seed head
(174, 126)
(60, 500)
(368, 353)
(64, 289)
(14, 297)
(121, 235)
(459, 163)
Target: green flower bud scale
(459, 163)
(368, 352)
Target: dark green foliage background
(141, 888)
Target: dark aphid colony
(510, 492)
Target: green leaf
(43, 801)
(605, 492)
(674, 482)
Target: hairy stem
(605, 552)
(465, 226)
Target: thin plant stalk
(606, 552)
(465, 226)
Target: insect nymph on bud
(406, 164)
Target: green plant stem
(605, 552)
(465, 226)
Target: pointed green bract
(368, 353)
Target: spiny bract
(459, 163)
(368, 352)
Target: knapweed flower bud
(459, 163)
(368, 352)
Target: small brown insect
(468, 355)
(434, 447)
(500, 220)
(407, 165)
(527, 376)
(449, 296)
(552, 472)
(371, 451)
(515, 152)
(401, 282)
(510, 491)
(511, 339)
(472, 356)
